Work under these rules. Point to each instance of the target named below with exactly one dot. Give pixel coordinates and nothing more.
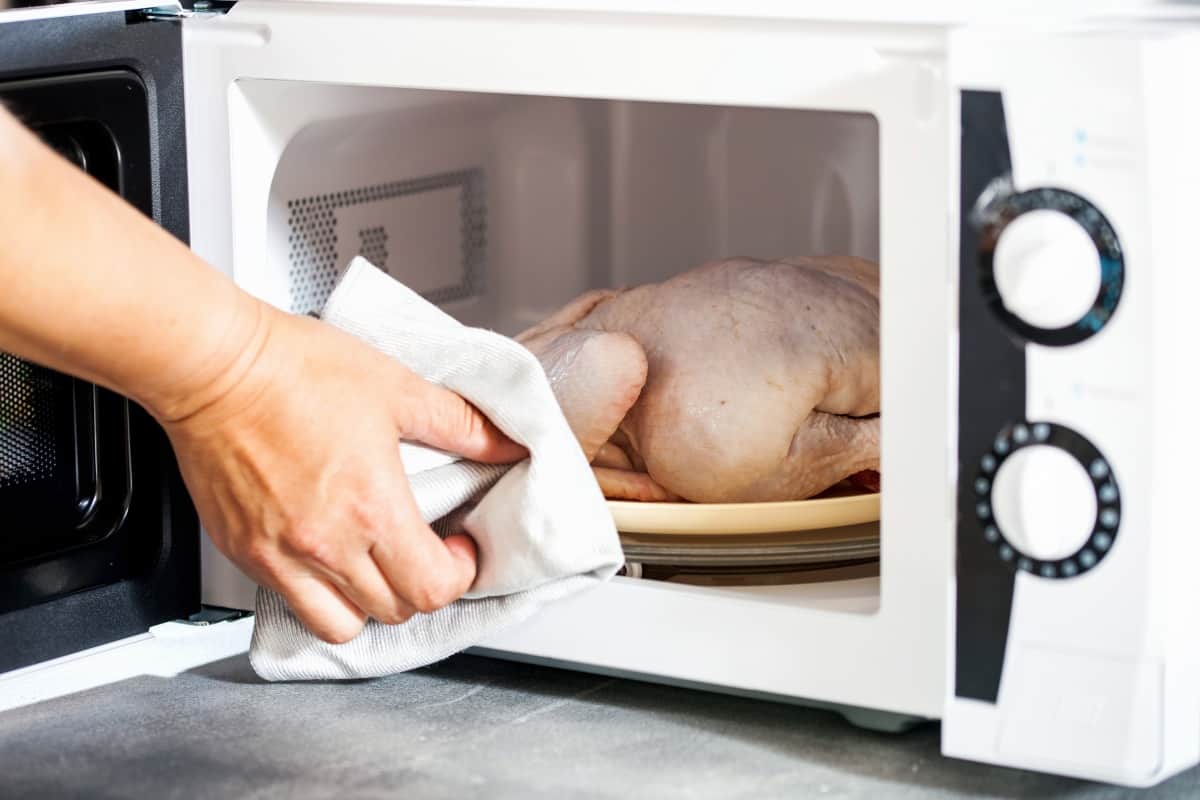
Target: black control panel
(993, 420)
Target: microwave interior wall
(501, 208)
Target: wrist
(95, 289)
(214, 362)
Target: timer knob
(1044, 501)
(1046, 269)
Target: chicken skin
(740, 380)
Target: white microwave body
(504, 158)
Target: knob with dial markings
(1047, 500)
(1047, 269)
(1051, 265)
(1044, 502)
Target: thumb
(438, 417)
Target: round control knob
(1047, 499)
(1051, 266)
(1044, 502)
(1046, 268)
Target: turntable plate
(837, 508)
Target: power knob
(1043, 501)
(1047, 500)
(1047, 269)
(1051, 265)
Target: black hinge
(186, 8)
(211, 615)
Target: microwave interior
(502, 208)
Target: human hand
(287, 430)
(292, 459)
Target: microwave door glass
(65, 471)
(98, 540)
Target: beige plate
(832, 510)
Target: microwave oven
(1025, 182)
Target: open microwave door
(592, 177)
(99, 541)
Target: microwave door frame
(244, 70)
(80, 39)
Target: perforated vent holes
(313, 266)
(373, 245)
(27, 451)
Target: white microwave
(1027, 187)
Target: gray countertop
(475, 727)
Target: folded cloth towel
(541, 526)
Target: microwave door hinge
(199, 8)
(212, 615)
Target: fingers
(362, 582)
(392, 567)
(431, 574)
(410, 571)
(440, 418)
(382, 561)
(322, 608)
(426, 571)
(462, 546)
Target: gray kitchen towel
(541, 526)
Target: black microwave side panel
(67, 601)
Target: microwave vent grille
(316, 252)
(27, 441)
(373, 245)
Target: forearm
(93, 288)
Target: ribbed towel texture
(541, 526)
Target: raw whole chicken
(737, 381)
